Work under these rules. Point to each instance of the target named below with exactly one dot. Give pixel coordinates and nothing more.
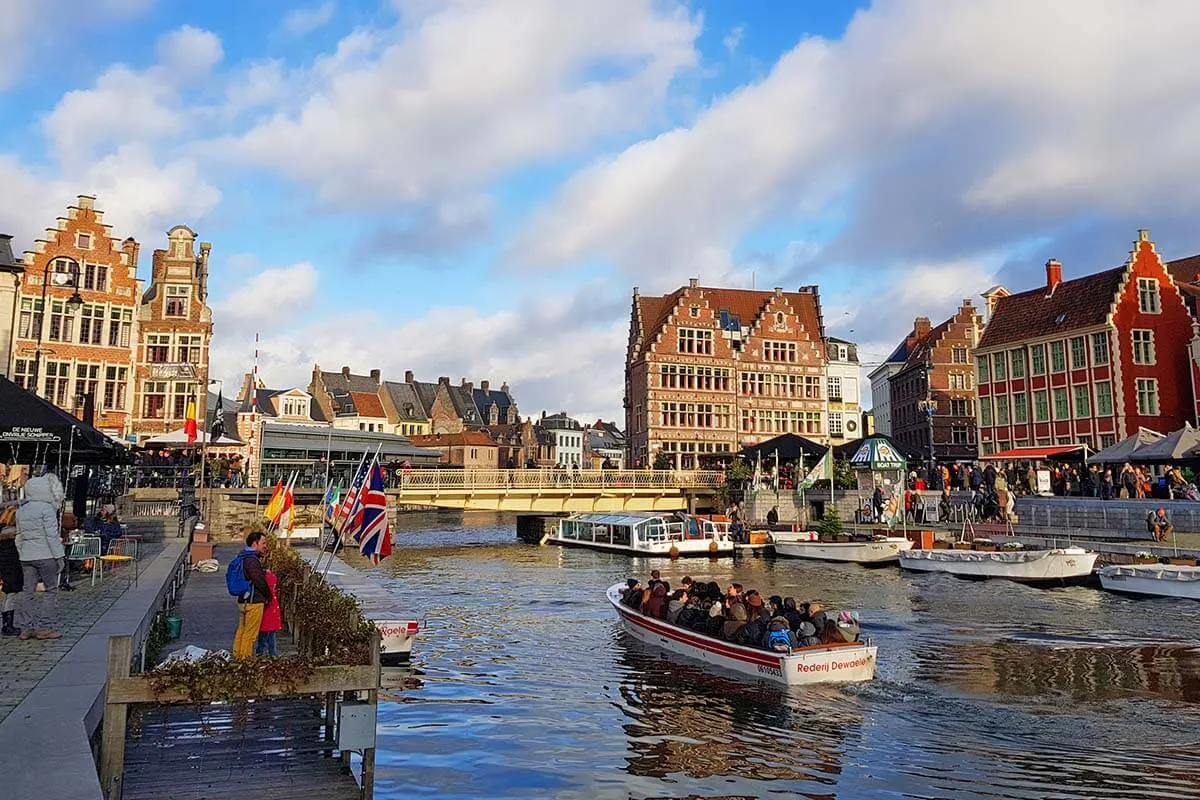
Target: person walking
(40, 548)
(247, 581)
(10, 566)
(272, 621)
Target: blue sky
(472, 187)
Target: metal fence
(469, 479)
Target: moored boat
(1152, 580)
(1056, 565)
(807, 544)
(642, 534)
(396, 637)
(825, 663)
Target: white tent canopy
(179, 439)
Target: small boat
(642, 534)
(396, 640)
(1152, 580)
(1025, 566)
(808, 544)
(825, 663)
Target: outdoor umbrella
(1174, 446)
(1121, 452)
(789, 446)
(32, 429)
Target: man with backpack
(247, 581)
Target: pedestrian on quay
(40, 548)
(247, 581)
(272, 621)
(10, 566)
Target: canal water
(522, 686)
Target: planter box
(1182, 562)
(759, 537)
(962, 545)
(1145, 559)
(940, 544)
(200, 551)
(986, 547)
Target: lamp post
(63, 279)
(929, 406)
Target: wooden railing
(610, 480)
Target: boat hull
(1152, 580)
(396, 639)
(1046, 566)
(848, 663)
(873, 552)
(687, 548)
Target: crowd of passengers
(740, 616)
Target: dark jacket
(253, 570)
(10, 567)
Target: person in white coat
(40, 547)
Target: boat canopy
(629, 519)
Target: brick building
(938, 375)
(709, 370)
(88, 325)
(174, 325)
(1087, 361)
(466, 449)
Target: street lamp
(62, 278)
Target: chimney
(444, 380)
(375, 375)
(921, 327)
(1053, 275)
(484, 386)
(468, 385)
(693, 282)
(408, 376)
(346, 373)
(504, 387)
(202, 269)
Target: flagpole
(802, 476)
(255, 433)
(337, 516)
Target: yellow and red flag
(275, 504)
(189, 423)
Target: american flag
(373, 532)
(343, 519)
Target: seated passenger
(656, 605)
(755, 603)
(816, 615)
(775, 603)
(778, 637)
(632, 594)
(737, 618)
(693, 613)
(676, 605)
(830, 634)
(806, 635)
(655, 578)
(792, 614)
(848, 626)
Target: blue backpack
(779, 641)
(235, 576)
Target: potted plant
(1144, 557)
(985, 545)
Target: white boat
(1025, 566)
(1157, 580)
(808, 544)
(826, 663)
(396, 640)
(642, 534)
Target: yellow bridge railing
(423, 481)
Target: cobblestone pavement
(24, 663)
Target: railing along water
(467, 479)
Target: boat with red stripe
(825, 663)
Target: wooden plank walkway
(264, 749)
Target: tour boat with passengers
(1152, 580)
(823, 663)
(808, 544)
(643, 534)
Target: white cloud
(462, 92)
(128, 105)
(268, 298)
(301, 21)
(734, 38)
(943, 129)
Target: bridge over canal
(558, 491)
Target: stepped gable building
(83, 341)
(405, 411)
(175, 328)
(710, 370)
(1086, 361)
(932, 394)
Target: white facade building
(843, 411)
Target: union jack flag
(373, 532)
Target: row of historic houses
(79, 327)
(1085, 361)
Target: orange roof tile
(368, 405)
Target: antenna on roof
(752, 276)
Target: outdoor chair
(87, 549)
(118, 554)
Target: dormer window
(693, 311)
(296, 407)
(176, 302)
(83, 241)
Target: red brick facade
(939, 368)
(1087, 361)
(711, 370)
(174, 333)
(88, 350)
